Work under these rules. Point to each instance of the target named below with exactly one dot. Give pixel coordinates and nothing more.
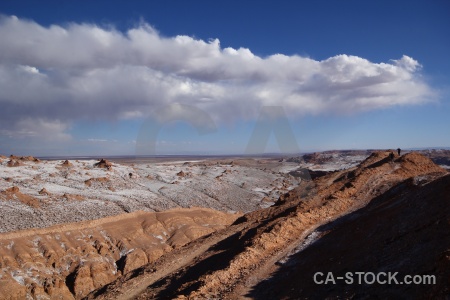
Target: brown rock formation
(67, 164)
(134, 260)
(14, 163)
(73, 197)
(12, 190)
(71, 260)
(14, 194)
(91, 276)
(103, 163)
(100, 180)
(43, 191)
(24, 158)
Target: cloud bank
(53, 76)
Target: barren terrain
(360, 211)
(38, 194)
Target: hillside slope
(405, 230)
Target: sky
(222, 77)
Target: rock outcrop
(67, 164)
(24, 158)
(14, 163)
(14, 194)
(103, 163)
(137, 258)
(43, 191)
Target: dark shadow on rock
(120, 263)
(405, 230)
(379, 163)
(70, 281)
(187, 279)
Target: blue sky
(82, 78)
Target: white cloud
(85, 71)
(97, 140)
(37, 128)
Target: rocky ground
(351, 211)
(36, 194)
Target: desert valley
(223, 227)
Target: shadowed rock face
(405, 230)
